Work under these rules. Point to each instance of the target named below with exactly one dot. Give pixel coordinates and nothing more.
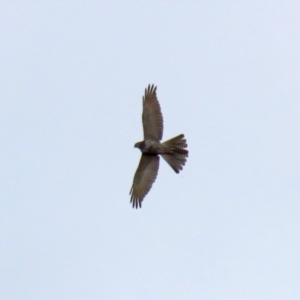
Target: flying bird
(172, 151)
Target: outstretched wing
(152, 117)
(143, 179)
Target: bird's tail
(177, 158)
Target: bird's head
(138, 145)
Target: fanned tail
(177, 158)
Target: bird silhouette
(173, 151)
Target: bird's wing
(152, 117)
(143, 179)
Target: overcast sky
(72, 77)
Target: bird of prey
(173, 151)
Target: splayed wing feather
(152, 117)
(143, 179)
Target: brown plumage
(173, 151)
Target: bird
(173, 151)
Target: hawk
(172, 151)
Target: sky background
(72, 77)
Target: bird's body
(152, 147)
(149, 147)
(173, 150)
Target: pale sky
(72, 77)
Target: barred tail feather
(176, 159)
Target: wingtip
(151, 88)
